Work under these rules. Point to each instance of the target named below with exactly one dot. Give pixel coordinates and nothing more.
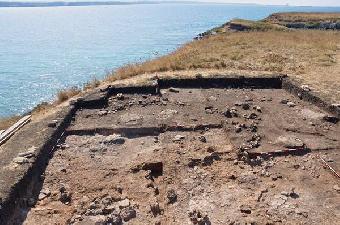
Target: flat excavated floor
(194, 156)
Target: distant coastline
(85, 3)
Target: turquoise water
(43, 50)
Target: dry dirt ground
(194, 156)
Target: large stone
(123, 203)
(20, 160)
(307, 113)
(290, 142)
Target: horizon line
(109, 2)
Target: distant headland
(85, 3)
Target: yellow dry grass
(308, 55)
(292, 17)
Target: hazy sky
(264, 2)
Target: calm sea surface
(43, 50)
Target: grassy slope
(309, 55)
(303, 17)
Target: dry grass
(251, 25)
(286, 52)
(66, 94)
(303, 17)
(308, 55)
(7, 122)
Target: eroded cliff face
(281, 21)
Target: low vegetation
(299, 53)
(294, 17)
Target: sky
(263, 2)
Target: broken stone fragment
(20, 160)
(155, 209)
(212, 99)
(208, 160)
(167, 113)
(278, 201)
(128, 214)
(284, 101)
(96, 220)
(229, 113)
(172, 196)
(248, 99)
(102, 113)
(245, 209)
(291, 193)
(123, 203)
(65, 196)
(253, 127)
(336, 188)
(202, 139)
(194, 162)
(306, 88)
(196, 217)
(291, 104)
(238, 128)
(251, 116)
(210, 109)
(44, 193)
(301, 212)
(245, 106)
(257, 108)
(330, 119)
(290, 142)
(114, 140)
(178, 137)
(29, 154)
(120, 96)
(114, 219)
(336, 105)
(174, 90)
(53, 123)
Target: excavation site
(203, 151)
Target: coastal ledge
(24, 157)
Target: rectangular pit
(153, 126)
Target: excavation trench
(128, 152)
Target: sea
(47, 49)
